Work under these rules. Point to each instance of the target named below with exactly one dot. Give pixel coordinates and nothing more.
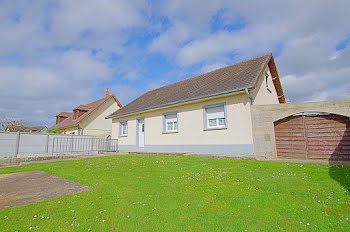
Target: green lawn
(179, 193)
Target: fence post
(47, 144)
(71, 144)
(92, 145)
(53, 145)
(17, 143)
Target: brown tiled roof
(64, 114)
(224, 80)
(70, 121)
(81, 107)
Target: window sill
(122, 136)
(217, 128)
(170, 132)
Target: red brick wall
(60, 119)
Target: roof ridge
(90, 109)
(270, 55)
(226, 79)
(238, 63)
(197, 76)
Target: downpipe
(250, 96)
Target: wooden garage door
(313, 137)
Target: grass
(178, 193)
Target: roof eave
(179, 102)
(276, 80)
(89, 112)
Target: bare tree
(10, 125)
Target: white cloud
(124, 93)
(328, 83)
(305, 38)
(189, 21)
(25, 90)
(86, 21)
(28, 91)
(55, 54)
(212, 47)
(81, 65)
(268, 25)
(58, 54)
(168, 41)
(316, 72)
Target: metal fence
(13, 144)
(83, 145)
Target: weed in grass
(178, 193)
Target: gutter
(250, 96)
(178, 102)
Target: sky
(55, 55)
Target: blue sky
(55, 55)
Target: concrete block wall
(14, 143)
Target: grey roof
(224, 80)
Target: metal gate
(83, 145)
(313, 136)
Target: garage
(313, 136)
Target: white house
(209, 113)
(89, 119)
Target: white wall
(235, 139)
(96, 123)
(67, 131)
(265, 94)
(190, 125)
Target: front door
(141, 132)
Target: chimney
(106, 93)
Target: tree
(11, 125)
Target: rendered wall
(96, 124)
(69, 130)
(265, 94)
(191, 136)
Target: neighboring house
(209, 113)
(35, 129)
(89, 119)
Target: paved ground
(40, 159)
(6, 162)
(29, 187)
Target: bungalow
(89, 119)
(209, 113)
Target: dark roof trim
(270, 63)
(178, 102)
(106, 99)
(262, 70)
(276, 80)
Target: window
(123, 128)
(214, 116)
(170, 122)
